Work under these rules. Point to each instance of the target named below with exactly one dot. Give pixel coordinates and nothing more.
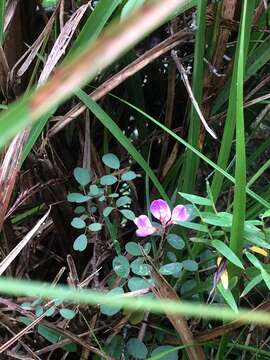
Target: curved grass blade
(11, 286)
(252, 194)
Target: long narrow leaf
(239, 204)
(256, 197)
(2, 20)
(191, 160)
(229, 128)
(16, 287)
(94, 24)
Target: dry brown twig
(61, 43)
(184, 76)
(19, 247)
(163, 290)
(117, 79)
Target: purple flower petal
(180, 213)
(161, 211)
(144, 225)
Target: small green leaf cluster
(124, 268)
(50, 335)
(56, 308)
(214, 232)
(98, 198)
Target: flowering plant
(161, 211)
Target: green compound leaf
(190, 265)
(147, 248)
(137, 348)
(128, 176)
(133, 249)
(94, 190)
(107, 211)
(82, 176)
(121, 266)
(111, 161)
(80, 243)
(171, 256)
(198, 200)
(224, 250)
(79, 210)
(78, 223)
(171, 269)
(128, 214)
(50, 311)
(111, 310)
(39, 310)
(114, 195)
(115, 347)
(95, 226)
(137, 283)
(26, 306)
(123, 200)
(108, 180)
(139, 268)
(176, 241)
(78, 198)
(67, 313)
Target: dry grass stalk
(16, 251)
(32, 52)
(110, 46)
(9, 170)
(163, 290)
(117, 79)
(61, 43)
(184, 77)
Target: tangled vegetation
(134, 200)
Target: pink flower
(161, 211)
(144, 225)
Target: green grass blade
(114, 129)
(2, 20)
(14, 287)
(94, 24)
(34, 134)
(192, 161)
(257, 59)
(261, 170)
(256, 197)
(229, 129)
(239, 204)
